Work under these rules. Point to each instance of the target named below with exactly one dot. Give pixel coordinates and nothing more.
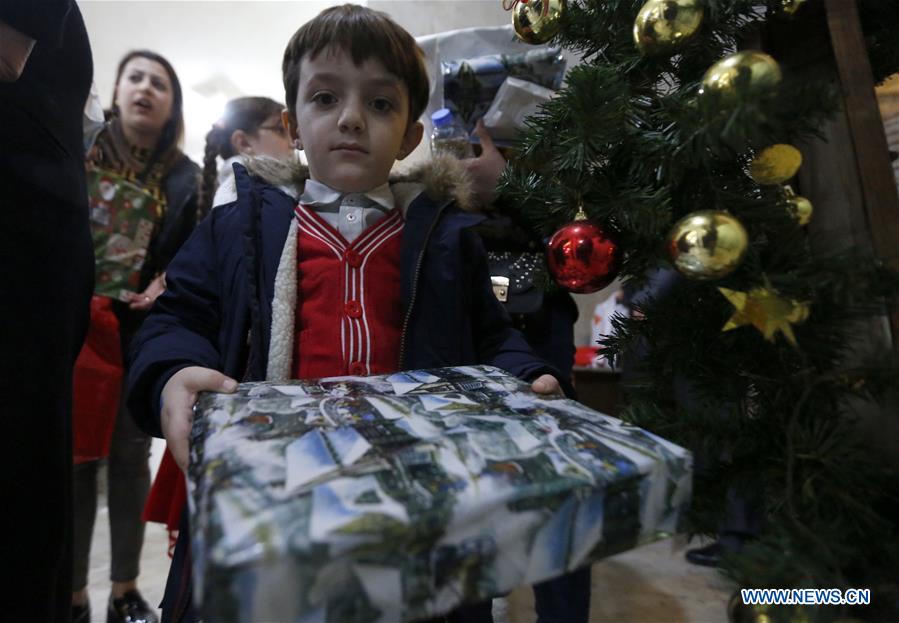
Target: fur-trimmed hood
(440, 178)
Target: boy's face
(351, 121)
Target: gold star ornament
(764, 309)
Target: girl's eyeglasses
(276, 128)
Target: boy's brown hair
(363, 33)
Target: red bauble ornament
(582, 257)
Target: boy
(360, 276)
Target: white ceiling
(223, 49)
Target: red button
(353, 259)
(353, 309)
(357, 368)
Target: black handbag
(519, 280)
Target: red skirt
(97, 384)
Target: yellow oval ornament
(776, 164)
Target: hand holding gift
(546, 385)
(178, 398)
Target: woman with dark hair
(251, 127)
(143, 207)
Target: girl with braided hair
(251, 127)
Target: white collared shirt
(348, 213)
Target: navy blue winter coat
(217, 309)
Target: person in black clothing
(46, 254)
(743, 519)
(546, 318)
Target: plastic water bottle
(449, 137)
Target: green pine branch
(628, 140)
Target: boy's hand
(485, 170)
(178, 398)
(546, 384)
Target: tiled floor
(651, 584)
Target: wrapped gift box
(470, 85)
(399, 497)
(122, 224)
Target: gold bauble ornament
(776, 164)
(799, 207)
(791, 6)
(537, 21)
(663, 25)
(744, 75)
(764, 309)
(707, 244)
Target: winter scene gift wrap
(398, 497)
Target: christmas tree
(670, 147)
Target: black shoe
(130, 608)
(81, 614)
(708, 556)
